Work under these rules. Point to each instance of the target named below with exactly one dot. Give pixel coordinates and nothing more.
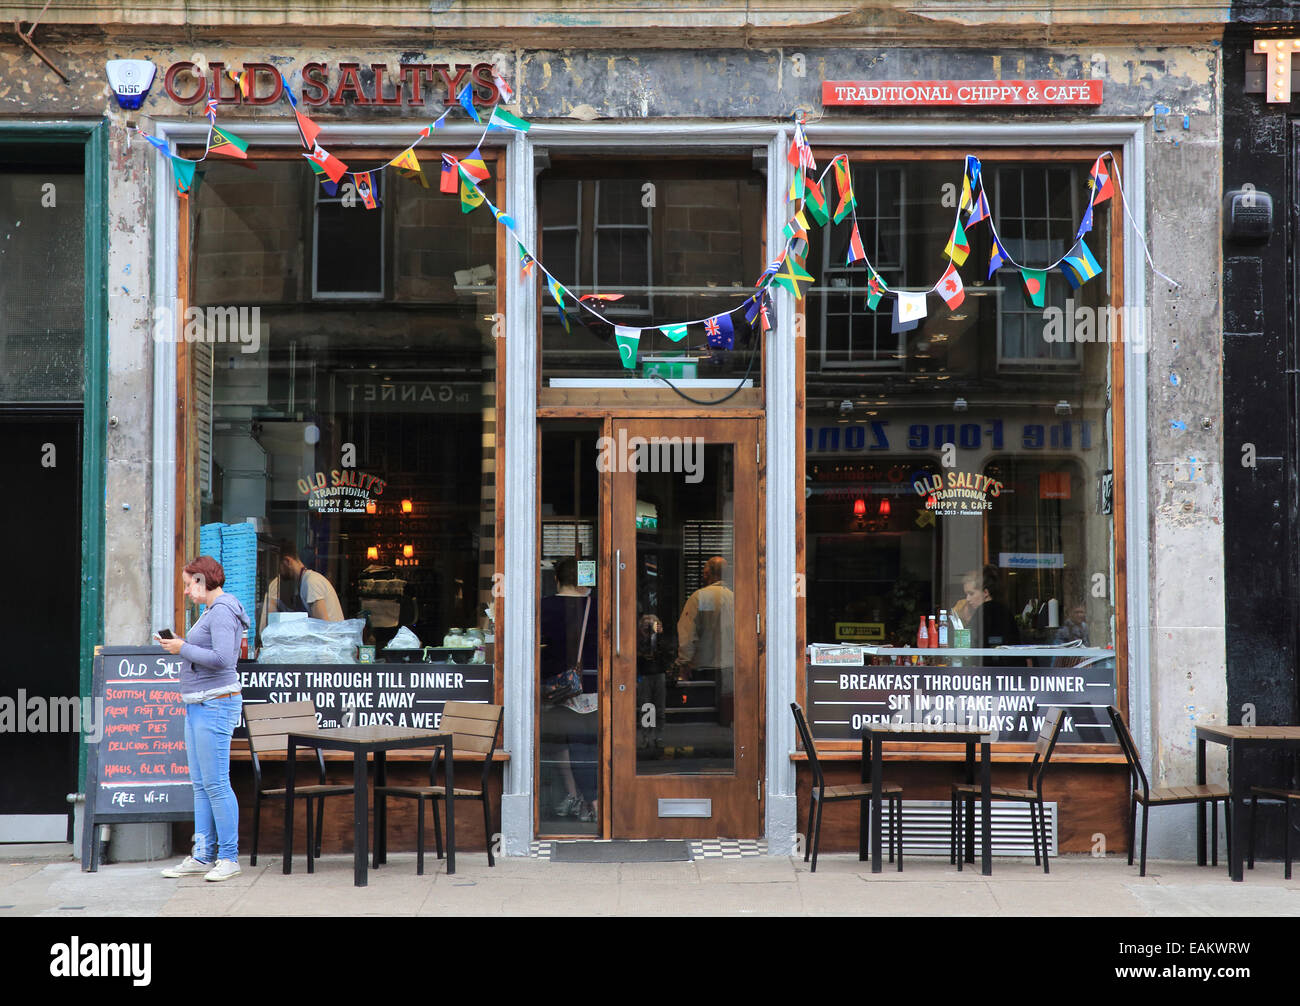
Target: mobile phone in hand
(164, 633)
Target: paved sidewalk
(31, 883)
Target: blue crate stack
(239, 559)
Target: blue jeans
(208, 727)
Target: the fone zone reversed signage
(1011, 700)
(394, 695)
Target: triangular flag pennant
(466, 99)
(997, 256)
(627, 340)
(765, 312)
(210, 109)
(718, 332)
(242, 80)
(600, 297)
(675, 333)
(408, 166)
(911, 306)
(972, 172)
(965, 194)
(1035, 285)
(160, 144)
(450, 175)
(950, 287)
(472, 164)
(436, 124)
(958, 247)
(470, 197)
(875, 289)
(366, 189)
(798, 186)
(1099, 183)
(770, 271)
(286, 90)
(505, 219)
(897, 323)
(751, 309)
(815, 204)
(324, 163)
(1085, 225)
(844, 184)
(501, 119)
(558, 292)
(856, 252)
(329, 188)
(307, 129)
(1080, 265)
(504, 90)
(789, 274)
(182, 174)
(980, 211)
(525, 261)
(228, 144)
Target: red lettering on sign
(315, 86)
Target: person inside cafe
(1075, 626)
(298, 588)
(706, 635)
(991, 621)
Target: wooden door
(685, 680)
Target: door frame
(618, 489)
(92, 136)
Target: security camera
(130, 80)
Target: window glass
(42, 282)
(963, 466)
(355, 433)
(676, 241)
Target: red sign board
(882, 93)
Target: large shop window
(965, 467)
(677, 241)
(345, 417)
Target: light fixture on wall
(372, 507)
(407, 506)
(372, 552)
(408, 551)
(884, 506)
(859, 508)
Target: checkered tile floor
(707, 848)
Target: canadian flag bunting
(950, 287)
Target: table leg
(1200, 807)
(288, 807)
(360, 828)
(863, 807)
(876, 782)
(379, 855)
(969, 816)
(1237, 795)
(986, 809)
(450, 776)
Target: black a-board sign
(138, 769)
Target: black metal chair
(861, 792)
(966, 793)
(1168, 796)
(1289, 798)
(474, 727)
(268, 726)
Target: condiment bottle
(943, 628)
(922, 635)
(934, 634)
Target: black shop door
(40, 616)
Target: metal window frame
(520, 426)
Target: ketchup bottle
(922, 636)
(934, 635)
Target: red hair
(208, 568)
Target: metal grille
(561, 538)
(701, 540)
(203, 414)
(926, 828)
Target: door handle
(618, 602)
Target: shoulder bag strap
(582, 636)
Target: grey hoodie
(211, 650)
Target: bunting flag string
(464, 175)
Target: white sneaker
(224, 870)
(188, 867)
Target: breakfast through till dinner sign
(883, 93)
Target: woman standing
(209, 686)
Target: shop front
(536, 437)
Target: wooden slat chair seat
(474, 727)
(1166, 796)
(1290, 799)
(861, 792)
(964, 794)
(269, 724)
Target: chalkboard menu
(396, 695)
(138, 770)
(1013, 701)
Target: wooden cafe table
(1236, 740)
(363, 741)
(875, 735)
